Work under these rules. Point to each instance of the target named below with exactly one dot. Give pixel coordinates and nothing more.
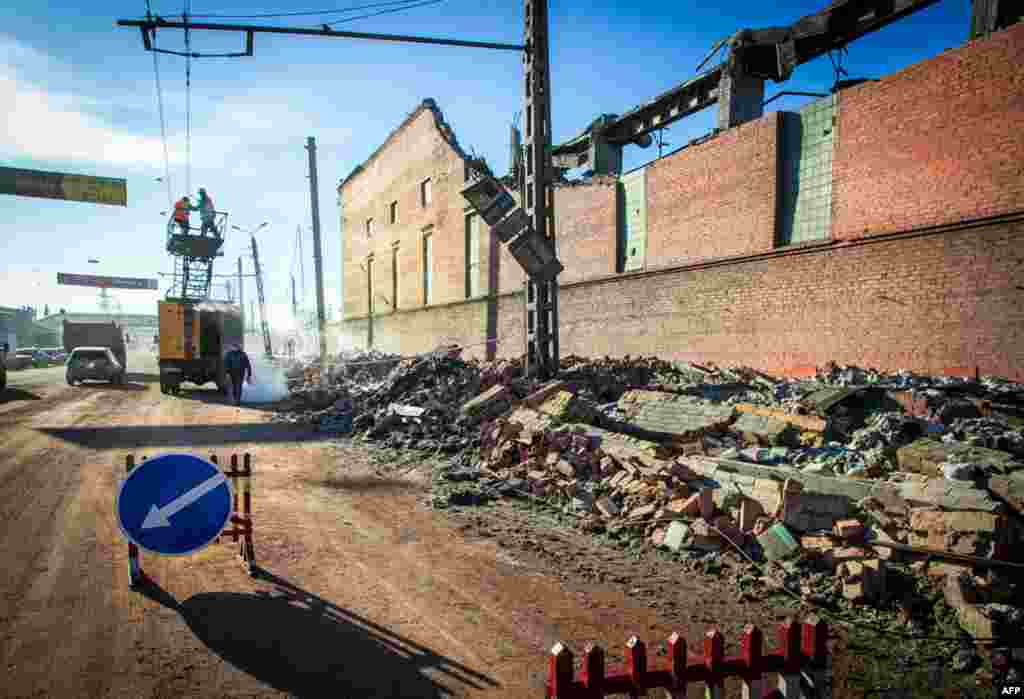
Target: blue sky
(80, 96)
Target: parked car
(21, 359)
(57, 355)
(94, 363)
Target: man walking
(238, 368)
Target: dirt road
(367, 592)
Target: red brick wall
(587, 229)
(938, 142)
(714, 199)
(926, 303)
(413, 153)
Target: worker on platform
(239, 369)
(182, 207)
(206, 213)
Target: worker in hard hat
(182, 207)
(206, 213)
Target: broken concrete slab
(949, 495)
(806, 423)
(927, 456)
(808, 511)
(681, 417)
(763, 430)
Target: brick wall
(715, 199)
(938, 142)
(414, 152)
(587, 228)
(927, 303)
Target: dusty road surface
(367, 592)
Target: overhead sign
(61, 185)
(105, 282)
(174, 504)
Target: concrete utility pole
(541, 321)
(241, 299)
(318, 262)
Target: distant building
(19, 328)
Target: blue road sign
(174, 504)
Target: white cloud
(248, 134)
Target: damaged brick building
(879, 226)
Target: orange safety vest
(181, 211)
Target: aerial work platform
(194, 244)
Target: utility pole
(295, 302)
(241, 299)
(541, 322)
(318, 263)
(265, 326)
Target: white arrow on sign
(158, 516)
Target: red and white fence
(800, 661)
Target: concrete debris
(701, 458)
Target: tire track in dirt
(59, 528)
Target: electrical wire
(385, 12)
(308, 13)
(160, 109)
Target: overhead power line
(160, 109)
(310, 13)
(385, 12)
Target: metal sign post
(177, 504)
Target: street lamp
(265, 223)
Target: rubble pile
(832, 478)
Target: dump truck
(193, 339)
(85, 334)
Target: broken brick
(750, 510)
(566, 468)
(607, 507)
(849, 529)
(707, 503)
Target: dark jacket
(237, 362)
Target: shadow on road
(142, 377)
(14, 394)
(303, 645)
(212, 395)
(127, 386)
(128, 436)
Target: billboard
(60, 185)
(105, 282)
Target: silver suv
(97, 363)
